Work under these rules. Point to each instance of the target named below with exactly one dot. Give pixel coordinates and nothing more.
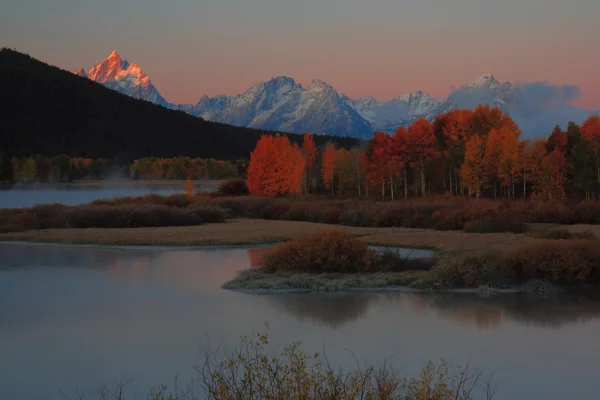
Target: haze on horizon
(380, 48)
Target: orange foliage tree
(276, 167)
(343, 167)
(422, 142)
(473, 169)
(590, 131)
(401, 155)
(310, 152)
(454, 130)
(377, 160)
(508, 163)
(328, 166)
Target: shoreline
(109, 183)
(252, 232)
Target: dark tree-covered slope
(49, 111)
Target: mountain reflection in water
(467, 309)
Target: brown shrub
(468, 271)
(586, 212)
(130, 216)
(564, 234)
(557, 261)
(233, 187)
(499, 223)
(329, 251)
(207, 213)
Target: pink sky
(380, 48)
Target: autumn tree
(377, 160)
(508, 162)
(309, 149)
(527, 163)
(582, 175)
(328, 166)
(491, 159)
(343, 169)
(401, 152)
(421, 142)
(590, 131)
(452, 130)
(276, 167)
(356, 168)
(473, 169)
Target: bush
(130, 216)
(252, 370)
(233, 187)
(207, 213)
(469, 271)
(564, 234)
(496, 224)
(557, 261)
(329, 251)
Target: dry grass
(250, 231)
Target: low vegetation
(116, 215)
(337, 261)
(563, 234)
(251, 371)
(233, 187)
(439, 213)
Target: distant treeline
(66, 169)
(46, 110)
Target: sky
(380, 48)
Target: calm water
(73, 317)
(31, 197)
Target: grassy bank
(253, 231)
(337, 261)
(442, 214)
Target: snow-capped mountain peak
(80, 72)
(485, 80)
(129, 79)
(282, 104)
(317, 85)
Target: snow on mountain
(118, 74)
(282, 104)
(400, 111)
(80, 72)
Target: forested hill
(49, 111)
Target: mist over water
(30, 196)
(76, 316)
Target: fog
(30, 195)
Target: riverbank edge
(407, 281)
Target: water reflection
(330, 309)
(75, 316)
(462, 309)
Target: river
(27, 197)
(76, 316)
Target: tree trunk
(450, 176)
(392, 186)
(524, 186)
(422, 176)
(405, 184)
(383, 191)
(358, 181)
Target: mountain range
(48, 111)
(282, 104)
